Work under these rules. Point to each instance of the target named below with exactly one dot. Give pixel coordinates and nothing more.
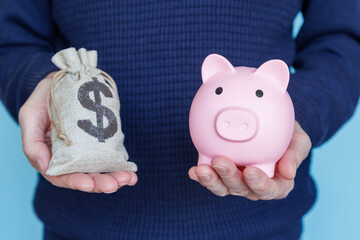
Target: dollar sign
(98, 131)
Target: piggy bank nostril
(227, 124)
(245, 126)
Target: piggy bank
(244, 114)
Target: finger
(263, 186)
(231, 176)
(192, 174)
(134, 178)
(297, 151)
(209, 179)
(104, 183)
(122, 177)
(285, 187)
(76, 181)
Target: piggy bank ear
(276, 70)
(213, 64)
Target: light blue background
(335, 168)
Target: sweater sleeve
(26, 48)
(325, 87)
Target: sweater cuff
(307, 112)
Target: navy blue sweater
(154, 51)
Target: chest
(85, 22)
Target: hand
(223, 177)
(36, 131)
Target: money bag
(84, 110)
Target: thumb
(34, 123)
(297, 151)
(287, 165)
(34, 145)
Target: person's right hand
(36, 132)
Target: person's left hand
(223, 177)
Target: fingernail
(110, 192)
(204, 177)
(39, 164)
(122, 184)
(252, 177)
(220, 170)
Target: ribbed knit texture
(154, 50)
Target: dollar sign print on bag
(101, 111)
(84, 110)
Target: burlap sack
(84, 109)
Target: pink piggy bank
(242, 113)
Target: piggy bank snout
(236, 124)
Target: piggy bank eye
(219, 90)
(259, 93)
